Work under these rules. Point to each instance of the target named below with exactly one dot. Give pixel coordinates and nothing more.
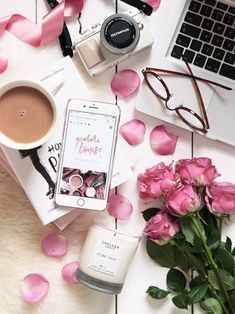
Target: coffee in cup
(76, 181)
(27, 114)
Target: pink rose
(196, 171)
(155, 181)
(220, 198)
(161, 228)
(182, 200)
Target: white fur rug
(20, 242)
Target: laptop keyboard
(206, 37)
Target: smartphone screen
(89, 140)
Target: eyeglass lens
(191, 118)
(159, 88)
(156, 84)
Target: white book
(36, 169)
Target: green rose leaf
(149, 213)
(212, 306)
(226, 260)
(157, 293)
(190, 233)
(232, 300)
(228, 244)
(186, 227)
(214, 239)
(226, 278)
(191, 259)
(182, 261)
(197, 293)
(210, 219)
(181, 300)
(164, 255)
(195, 282)
(175, 280)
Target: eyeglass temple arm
(201, 102)
(187, 75)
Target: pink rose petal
(34, 288)
(125, 83)
(119, 207)
(154, 3)
(162, 140)
(3, 64)
(68, 272)
(133, 131)
(54, 244)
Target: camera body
(119, 37)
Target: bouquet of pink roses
(185, 235)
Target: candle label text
(106, 255)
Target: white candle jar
(105, 257)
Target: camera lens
(119, 34)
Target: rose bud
(161, 228)
(220, 198)
(155, 181)
(182, 200)
(196, 171)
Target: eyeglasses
(158, 86)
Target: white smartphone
(87, 154)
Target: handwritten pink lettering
(88, 145)
(92, 150)
(88, 139)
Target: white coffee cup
(48, 92)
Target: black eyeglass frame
(204, 119)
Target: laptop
(201, 32)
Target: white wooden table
(143, 272)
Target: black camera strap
(142, 6)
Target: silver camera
(120, 36)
